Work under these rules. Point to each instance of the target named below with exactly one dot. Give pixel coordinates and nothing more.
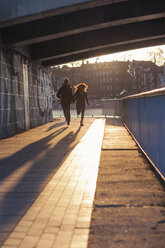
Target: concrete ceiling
(109, 27)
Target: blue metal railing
(144, 115)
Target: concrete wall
(25, 94)
(145, 117)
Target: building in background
(161, 76)
(112, 79)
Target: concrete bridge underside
(57, 32)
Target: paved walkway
(51, 209)
(129, 205)
(47, 186)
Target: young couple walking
(67, 97)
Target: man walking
(65, 95)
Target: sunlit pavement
(52, 209)
(48, 183)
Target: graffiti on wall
(40, 96)
(12, 94)
(10, 104)
(44, 94)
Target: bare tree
(127, 57)
(157, 56)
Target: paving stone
(46, 240)
(29, 242)
(12, 241)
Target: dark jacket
(65, 94)
(81, 98)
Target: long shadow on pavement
(37, 164)
(58, 124)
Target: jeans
(66, 110)
(81, 109)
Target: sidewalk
(47, 187)
(129, 205)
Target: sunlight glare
(141, 54)
(137, 54)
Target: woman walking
(80, 96)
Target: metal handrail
(151, 93)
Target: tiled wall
(13, 68)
